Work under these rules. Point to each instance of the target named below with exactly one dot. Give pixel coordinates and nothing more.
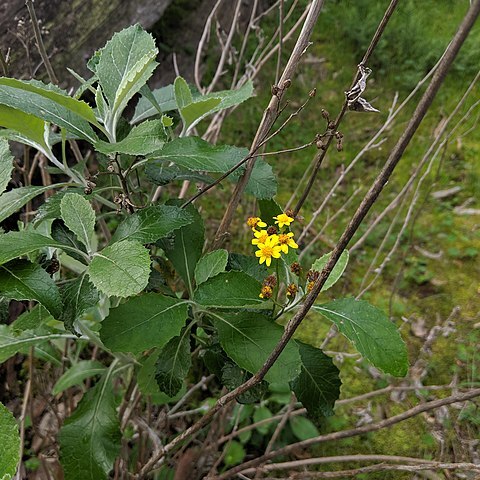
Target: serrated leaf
(247, 264)
(90, 437)
(6, 164)
(143, 322)
(48, 104)
(229, 98)
(303, 428)
(337, 271)
(30, 320)
(50, 209)
(173, 364)
(164, 97)
(10, 343)
(233, 376)
(123, 66)
(183, 95)
(370, 331)
(229, 289)
(143, 139)
(122, 269)
(22, 280)
(184, 247)
(318, 385)
(148, 385)
(163, 173)
(196, 111)
(249, 339)
(262, 183)
(78, 296)
(197, 154)
(15, 199)
(79, 217)
(54, 93)
(210, 265)
(62, 234)
(16, 244)
(9, 444)
(269, 208)
(151, 223)
(77, 373)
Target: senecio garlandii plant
(162, 308)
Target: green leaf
(229, 289)
(197, 154)
(163, 173)
(165, 99)
(22, 280)
(6, 164)
(318, 385)
(50, 209)
(151, 223)
(30, 320)
(234, 453)
(79, 217)
(262, 183)
(52, 92)
(269, 209)
(229, 98)
(15, 199)
(173, 364)
(122, 269)
(143, 322)
(10, 344)
(247, 264)
(15, 244)
(183, 95)
(148, 385)
(76, 374)
(303, 428)
(262, 413)
(248, 339)
(9, 444)
(210, 265)
(90, 437)
(143, 139)
(337, 271)
(196, 111)
(78, 296)
(24, 128)
(233, 376)
(62, 234)
(370, 331)
(185, 248)
(46, 103)
(123, 66)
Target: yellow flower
(286, 240)
(260, 237)
(283, 219)
(268, 250)
(254, 222)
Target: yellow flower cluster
(272, 242)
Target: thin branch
(40, 44)
(270, 115)
(321, 155)
(373, 427)
(362, 458)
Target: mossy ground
(429, 286)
